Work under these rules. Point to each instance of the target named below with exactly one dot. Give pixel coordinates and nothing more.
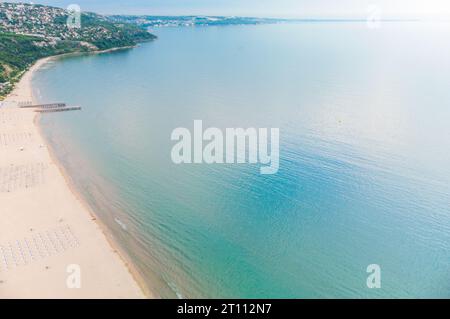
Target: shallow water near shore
(364, 157)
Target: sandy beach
(51, 246)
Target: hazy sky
(275, 8)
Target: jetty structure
(59, 109)
(50, 107)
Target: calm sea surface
(364, 118)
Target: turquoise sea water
(364, 157)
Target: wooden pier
(58, 109)
(44, 106)
(49, 107)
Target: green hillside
(30, 32)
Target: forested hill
(29, 32)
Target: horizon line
(300, 19)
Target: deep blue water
(364, 157)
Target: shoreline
(104, 228)
(48, 58)
(122, 280)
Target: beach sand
(47, 235)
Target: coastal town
(51, 23)
(29, 32)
